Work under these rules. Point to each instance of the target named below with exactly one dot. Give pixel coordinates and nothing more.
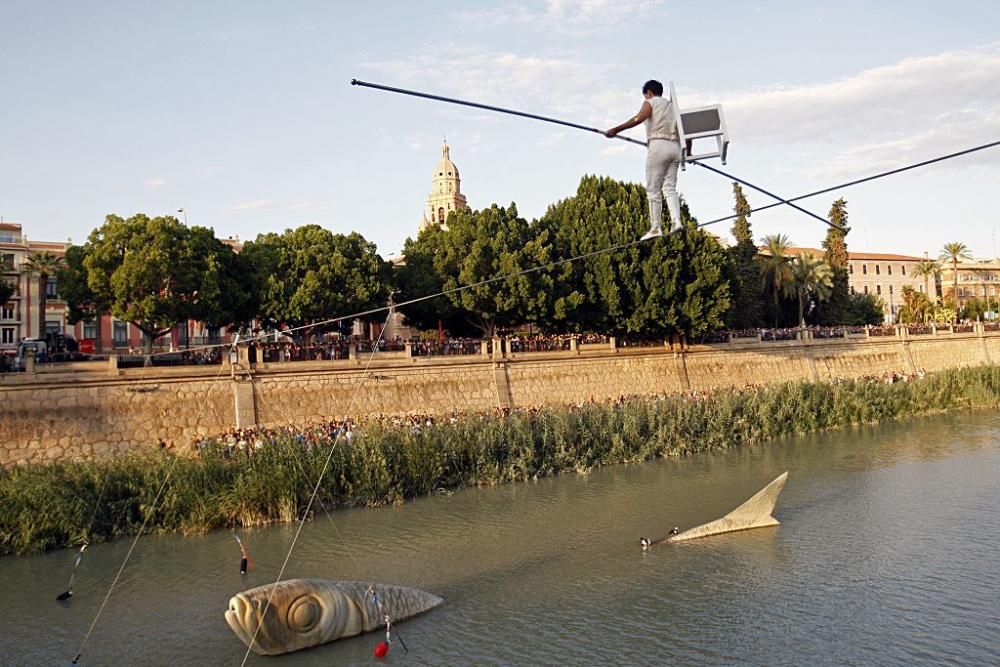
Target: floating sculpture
(754, 513)
(309, 612)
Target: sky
(242, 113)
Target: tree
(866, 309)
(837, 308)
(7, 290)
(745, 283)
(43, 265)
(811, 278)
(955, 252)
(309, 274)
(674, 284)
(916, 306)
(927, 269)
(83, 304)
(776, 270)
(156, 272)
(490, 243)
(417, 278)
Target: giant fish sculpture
(754, 513)
(309, 612)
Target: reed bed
(56, 505)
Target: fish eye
(304, 613)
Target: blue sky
(242, 112)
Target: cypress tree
(837, 309)
(745, 283)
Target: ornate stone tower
(446, 192)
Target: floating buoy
(381, 649)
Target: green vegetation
(43, 265)
(7, 290)
(156, 272)
(50, 506)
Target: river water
(886, 554)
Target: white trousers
(663, 158)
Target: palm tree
(42, 264)
(776, 269)
(810, 276)
(953, 252)
(927, 269)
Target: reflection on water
(886, 554)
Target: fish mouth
(237, 617)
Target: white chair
(700, 123)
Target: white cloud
(155, 182)
(559, 85)
(566, 16)
(253, 205)
(916, 108)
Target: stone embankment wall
(70, 412)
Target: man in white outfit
(663, 155)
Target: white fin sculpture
(754, 513)
(309, 612)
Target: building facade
(19, 316)
(883, 275)
(977, 279)
(446, 192)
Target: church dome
(445, 167)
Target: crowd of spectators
(248, 440)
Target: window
(9, 237)
(441, 213)
(7, 261)
(852, 289)
(864, 269)
(866, 289)
(876, 269)
(90, 329)
(921, 289)
(890, 290)
(888, 267)
(850, 268)
(120, 333)
(7, 312)
(903, 268)
(878, 289)
(7, 336)
(51, 289)
(53, 327)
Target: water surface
(886, 554)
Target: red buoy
(381, 649)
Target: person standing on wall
(663, 155)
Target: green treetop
(156, 273)
(42, 265)
(486, 244)
(310, 274)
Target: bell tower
(446, 192)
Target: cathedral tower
(446, 192)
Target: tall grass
(50, 506)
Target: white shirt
(661, 123)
